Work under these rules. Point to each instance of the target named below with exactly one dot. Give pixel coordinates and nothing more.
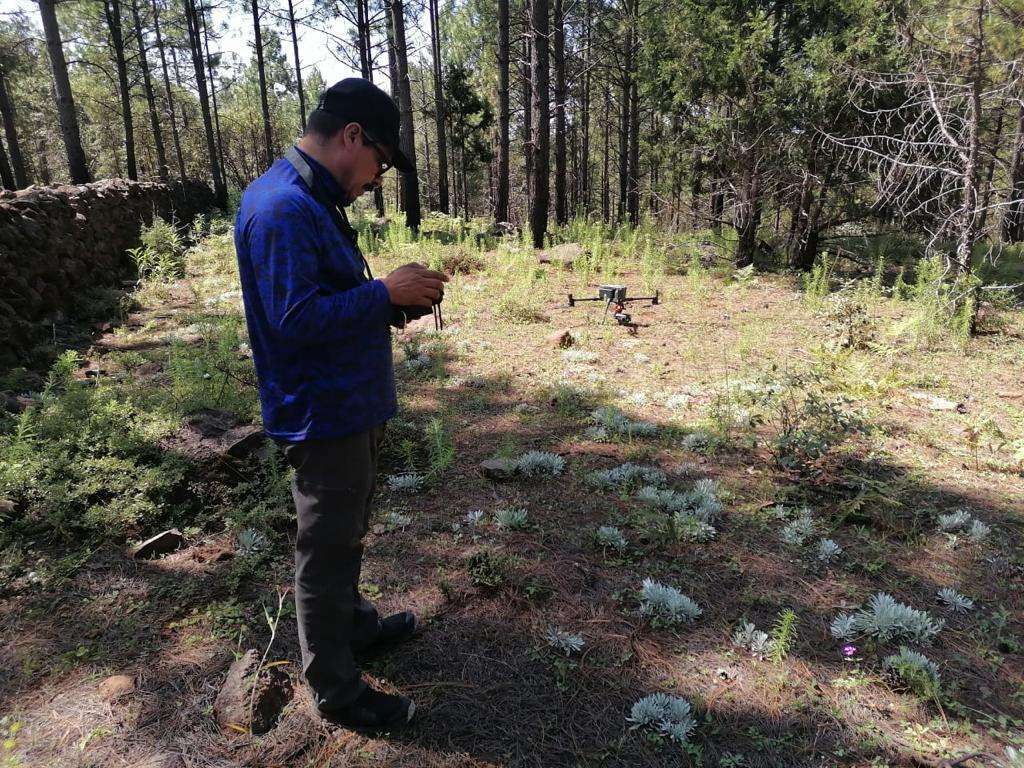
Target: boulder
(161, 544)
(564, 255)
(498, 469)
(116, 686)
(241, 708)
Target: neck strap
(337, 213)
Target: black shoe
(372, 711)
(395, 629)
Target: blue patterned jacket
(318, 326)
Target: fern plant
(783, 636)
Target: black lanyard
(337, 214)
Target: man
(321, 342)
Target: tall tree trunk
(147, 82)
(112, 11)
(606, 192)
(539, 181)
(584, 174)
(696, 186)
(409, 183)
(990, 173)
(561, 212)
(747, 211)
(969, 210)
(195, 45)
(363, 35)
(211, 76)
(633, 189)
(268, 132)
(1013, 219)
(69, 130)
(298, 66)
(6, 174)
(624, 121)
(167, 92)
(11, 134)
(439, 110)
(502, 192)
(430, 197)
(527, 104)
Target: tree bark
(66, 113)
(606, 193)
(527, 104)
(195, 45)
(439, 110)
(213, 95)
(502, 192)
(561, 212)
(268, 132)
(584, 174)
(409, 183)
(539, 182)
(624, 122)
(968, 224)
(112, 11)
(1013, 219)
(167, 92)
(6, 174)
(633, 188)
(154, 119)
(11, 134)
(747, 215)
(298, 67)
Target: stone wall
(57, 241)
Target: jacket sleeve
(282, 248)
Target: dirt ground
(490, 690)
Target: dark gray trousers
(333, 487)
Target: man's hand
(414, 285)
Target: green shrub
(161, 256)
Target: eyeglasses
(383, 164)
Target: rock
(561, 339)
(6, 507)
(498, 469)
(563, 255)
(938, 403)
(161, 544)
(239, 709)
(116, 686)
(211, 435)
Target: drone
(614, 297)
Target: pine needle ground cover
(781, 483)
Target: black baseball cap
(359, 101)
